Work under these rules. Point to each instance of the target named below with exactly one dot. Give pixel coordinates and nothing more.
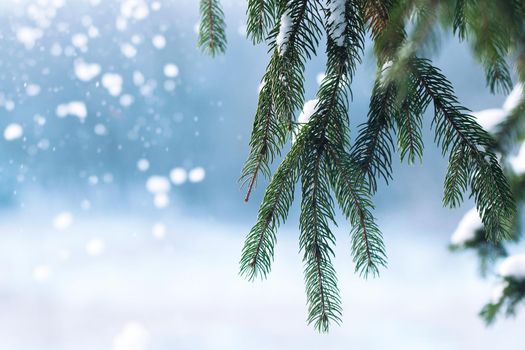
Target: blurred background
(122, 220)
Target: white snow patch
(143, 164)
(261, 86)
(113, 83)
(284, 32)
(74, 108)
(13, 131)
(28, 36)
(497, 292)
(134, 336)
(171, 70)
(197, 174)
(513, 267)
(309, 108)
(385, 69)
(336, 21)
(514, 98)
(178, 176)
(488, 119)
(320, 77)
(86, 71)
(63, 220)
(467, 227)
(518, 162)
(158, 184)
(159, 41)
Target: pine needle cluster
(318, 156)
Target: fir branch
(513, 294)
(460, 25)
(375, 12)
(266, 141)
(320, 154)
(457, 131)
(316, 241)
(261, 17)
(373, 148)
(283, 91)
(257, 254)
(498, 75)
(212, 33)
(512, 129)
(408, 119)
(386, 20)
(352, 193)
(351, 190)
(292, 45)
(457, 178)
(490, 41)
(328, 126)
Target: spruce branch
(212, 33)
(261, 17)
(353, 196)
(512, 129)
(257, 254)
(374, 146)
(282, 93)
(266, 141)
(457, 131)
(293, 40)
(513, 293)
(491, 42)
(459, 25)
(408, 117)
(321, 157)
(316, 241)
(375, 13)
(326, 166)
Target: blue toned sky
(121, 216)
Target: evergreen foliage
(212, 28)
(510, 290)
(331, 169)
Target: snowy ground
(133, 290)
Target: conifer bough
(318, 154)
